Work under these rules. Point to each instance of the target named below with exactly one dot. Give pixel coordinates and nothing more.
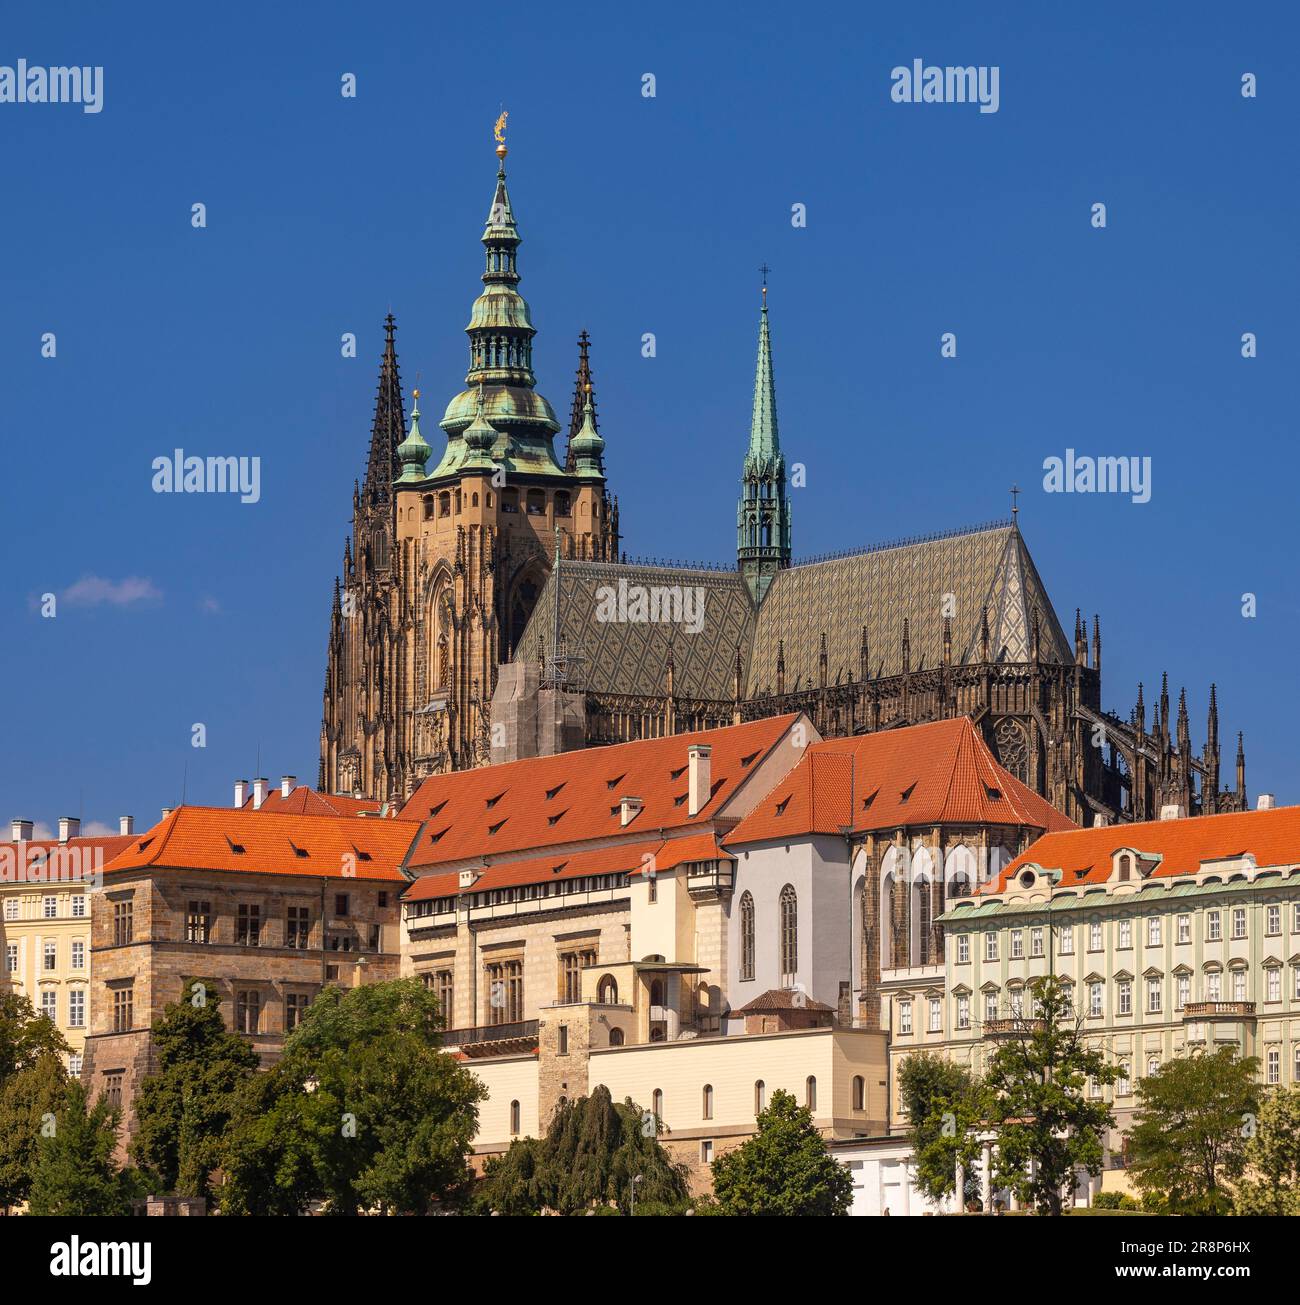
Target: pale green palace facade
(1159, 961)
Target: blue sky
(638, 215)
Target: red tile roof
(621, 857)
(933, 774)
(91, 852)
(574, 797)
(259, 842)
(1272, 837)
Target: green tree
(25, 1036)
(1188, 1142)
(1045, 1126)
(183, 1111)
(74, 1172)
(1272, 1184)
(365, 1110)
(29, 1100)
(783, 1169)
(945, 1109)
(591, 1154)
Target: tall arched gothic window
(746, 936)
(789, 936)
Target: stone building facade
(259, 910)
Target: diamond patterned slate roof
(630, 657)
(879, 588)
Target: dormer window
(551, 792)
(907, 792)
(781, 806)
(1124, 867)
(492, 801)
(236, 848)
(1027, 879)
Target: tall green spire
(413, 452)
(501, 334)
(587, 448)
(763, 514)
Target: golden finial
(499, 131)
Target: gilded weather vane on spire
(499, 131)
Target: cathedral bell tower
(763, 514)
(451, 547)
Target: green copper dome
(413, 452)
(587, 447)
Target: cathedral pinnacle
(413, 451)
(587, 447)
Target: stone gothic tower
(763, 514)
(449, 552)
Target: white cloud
(93, 590)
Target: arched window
(657, 1104)
(444, 504)
(746, 936)
(607, 991)
(509, 500)
(789, 936)
(760, 1097)
(536, 503)
(706, 1106)
(514, 1116)
(428, 507)
(810, 1093)
(473, 498)
(616, 1037)
(859, 1093)
(561, 504)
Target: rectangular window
(1123, 1084)
(50, 1004)
(198, 922)
(1274, 984)
(1153, 996)
(79, 906)
(51, 961)
(113, 1089)
(11, 908)
(1239, 985)
(1036, 941)
(1065, 940)
(564, 1040)
(74, 1064)
(341, 904)
(295, 1007)
(122, 923)
(1124, 997)
(123, 1010)
(505, 992)
(11, 959)
(1214, 987)
(904, 1017)
(1125, 934)
(571, 966)
(1094, 936)
(1017, 944)
(1213, 926)
(50, 908)
(1273, 921)
(1184, 928)
(1153, 931)
(1067, 998)
(1184, 990)
(248, 925)
(990, 1006)
(963, 1011)
(936, 1015)
(77, 1008)
(990, 946)
(444, 988)
(1238, 921)
(1295, 983)
(296, 927)
(78, 954)
(1295, 918)
(1094, 999)
(963, 948)
(248, 1012)
(1274, 1065)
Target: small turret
(413, 452)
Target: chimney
(699, 773)
(126, 824)
(1172, 811)
(287, 784)
(1100, 820)
(259, 793)
(629, 809)
(69, 827)
(1265, 802)
(22, 830)
(166, 811)
(241, 792)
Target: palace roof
(267, 843)
(573, 797)
(1184, 846)
(304, 801)
(941, 773)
